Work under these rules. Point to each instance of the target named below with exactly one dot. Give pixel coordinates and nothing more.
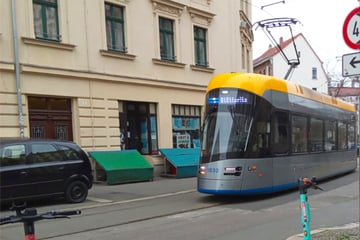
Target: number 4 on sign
(356, 29)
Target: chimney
(281, 40)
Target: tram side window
(280, 133)
(351, 136)
(342, 142)
(330, 136)
(299, 134)
(316, 135)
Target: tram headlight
(202, 170)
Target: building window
(115, 33)
(314, 73)
(166, 29)
(46, 24)
(186, 126)
(243, 56)
(200, 46)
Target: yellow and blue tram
(261, 133)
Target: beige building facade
(108, 74)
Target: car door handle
(61, 168)
(24, 173)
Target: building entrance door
(50, 118)
(140, 132)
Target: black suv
(42, 168)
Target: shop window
(186, 126)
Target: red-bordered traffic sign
(351, 29)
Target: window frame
(314, 73)
(188, 115)
(330, 139)
(40, 153)
(17, 157)
(44, 6)
(304, 137)
(167, 53)
(280, 140)
(342, 136)
(316, 145)
(112, 41)
(200, 46)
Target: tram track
(105, 215)
(132, 221)
(122, 217)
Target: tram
(261, 134)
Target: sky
(320, 21)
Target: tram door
(138, 132)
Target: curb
(347, 226)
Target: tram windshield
(231, 118)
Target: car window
(45, 152)
(70, 153)
(12, 155)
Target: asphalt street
(170, 208)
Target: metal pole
(17, 69)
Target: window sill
(202, 69)
(120, 55)
(44, 43)
(168, 63)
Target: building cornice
(168, 6)
(98, 76)
(197, 13)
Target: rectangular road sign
(351, 64)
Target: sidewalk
(346, 232)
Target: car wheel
(76, 192)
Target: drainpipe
(17, 69)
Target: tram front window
(227, 126)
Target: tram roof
(259, 84)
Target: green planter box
(123, 166)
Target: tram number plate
(213, 170)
